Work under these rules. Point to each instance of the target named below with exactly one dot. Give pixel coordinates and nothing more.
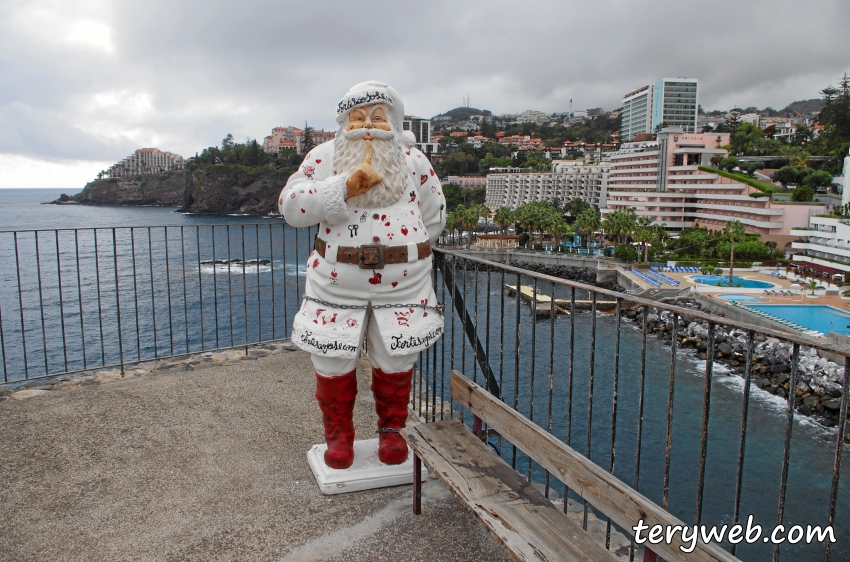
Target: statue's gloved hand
(364, 177)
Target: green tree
(227, 143)
(467, 219)
(558, 228)
(626, 252)
(816, 179)
(619, 225)
(576, 207)
(503, 218)
(733, 232)
(587, 223)
(803, 194)
(790, 175)
(729, 163)
(835, 118)
(307, 142)
(744, 139)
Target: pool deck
(779, 283)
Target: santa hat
(369, 93)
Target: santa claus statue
(379, 206)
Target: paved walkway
(207, 464)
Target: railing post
(476, 426)
(417, 485)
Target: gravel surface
(207, 464)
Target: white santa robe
(312, 195)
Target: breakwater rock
(819, 382)
(219, 189)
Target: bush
(537, 246)
(717, 271)
(626, 252)
(803, 194)
(522, 240)
(608, 251)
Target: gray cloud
(94, 80)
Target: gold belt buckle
(372, 256)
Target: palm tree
(504, 218)
(812, 286)
(588, 222)
(558, 228)
(467, 218)
(619, 225)
(483, 211)
(644, 233)
(451, 225)
(733, 232)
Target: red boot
(336, 399)
(392, 393)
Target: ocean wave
(777, 405)
(234, 268)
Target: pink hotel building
(661, 179)
(283, 138)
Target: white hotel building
(568, 180)
(826, 241)
(146, 161)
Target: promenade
(204, 464)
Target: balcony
(222, 446)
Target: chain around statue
(438, 307)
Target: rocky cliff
(167, 190)
(221, 189)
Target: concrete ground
(205, 464)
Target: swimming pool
(821, 318)
(740, 298)
(736, 282)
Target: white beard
(387, 159)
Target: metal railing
(642, 406)
(693, 441)
(78, 299)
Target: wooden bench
(528, 526)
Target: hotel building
(636, 115)
(661, 179)
(283, 138)
(825, 244)
(826, 241)
(146, 161)
(421, 129)
(567, 181)
(673, 101)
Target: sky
(85, 83)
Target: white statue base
(366, 473)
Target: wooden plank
(526, 524)
(604, 491)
